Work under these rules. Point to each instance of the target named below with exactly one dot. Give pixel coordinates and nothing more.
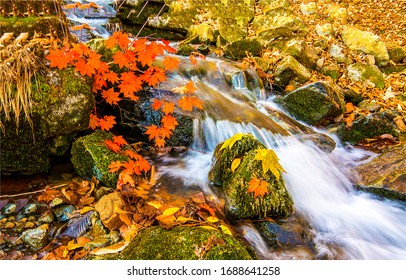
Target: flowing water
(346, 224)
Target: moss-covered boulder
(91, 157)
(385, 175)
(183, 243)
(61, 104)
(369, 126)
(314, 103)
(241, 48)
(290, 70)
(278, 22)
(299, 49)
(360, 72)
(366, 42)
(396, 52)
(236, 164)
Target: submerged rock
(234, 179)
(315, 103)
(385, 175)
(183, 243)
(367, 42)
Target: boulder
(91, 158)
(385, 175)
(369, 126)
(331, 70)
(303, 53)
(61, 105)
(314, 103)
(337, 53)
(109, 208)
(360, 72)
(396, 52)
(325, 29)
(234, 180)
(239, 49)
(182, 243)
(278, 22)
(288, 70)
(309, 8)
(367, 42)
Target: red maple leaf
(190, 87)
(124, 59)
(111, 77)
(112, 146)
(94, 121)
(119, 140)
(165, 132)
(129, 83)
(111, 96)
(187, 103)
(118, 38)
(107, 122)
(159, 142)
(60, 58)
(143, 165)
(170, 63)
(168, 107)
(115, 166)
(139, 45)
(169, 122)
(152, 131)
(258, 187)
(156, 104)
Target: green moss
(220, 173)
(239, 49)
(185, 49)
(91, 157)
(28, 24)
(180, 243)
(242, 205)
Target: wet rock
(315, 103)
(370, 126)
(185, 50)
(367, 42)
(108, 207)
(369, 106)
(37, 237)
(276, 236)
(278, 22)
(182, 243)
(288, 70)
(239, 204)
(239, 49)
(359, 72)
(385, 175)
(63, 212)
(91, 158)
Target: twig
(33, 192)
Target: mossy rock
(359, 72)
(315, 103)
(220, 172)
(290, 70)
(369, 126)
(181, 243)
(91, 158)
(396, 52)
(240, 204)
(385, 175)
(239, 49)
(185, 50)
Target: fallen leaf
(236, 162)
(112, 249)
(258, 187)
(170, 211)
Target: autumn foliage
(123, 75)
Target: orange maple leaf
(165, 132)
(159, 142)
(111, 77)
(169, 122)
(60, 58)
(115, 166)
(112, 146)
(118, 38)
(111, 96)
(132, 154)
(143, 165)
(187, 103)
(170, 63)
(192, 59)
(107, 122)
(153, 76)
(156, 104)
(119, 140)
(168, 107)
(85, 68)
(129, 84)
(94, 121)
(258, 187)
(99, 81)
(152, 131)
(190, 87)
(124, 59)
(139, 45)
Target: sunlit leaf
(258, 187)
(170, 211)
(225, 229)
(236, 162)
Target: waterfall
(361, 225)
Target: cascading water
(359, 225)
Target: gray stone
(359, 72)
(36, 237)
(367, 42)
(337, 53)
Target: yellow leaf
(155, 204)
(115, 248)
(185, 220)
(86, 209)
(170, 211)
(71, 246)
(236, 162)
(225, 229)
(229, 143)
(270, 162)
(212, 219)
(208, 227)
